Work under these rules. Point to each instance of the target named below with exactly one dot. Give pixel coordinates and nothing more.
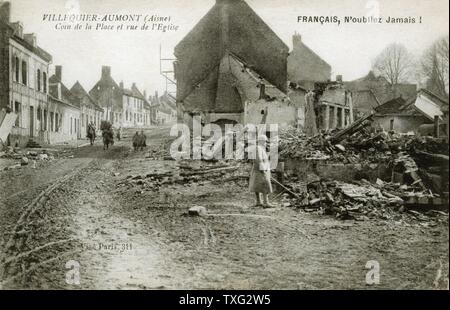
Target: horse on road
(91, 134)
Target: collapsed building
(334, 105)
(371, 91)
(223, 73)
(420, 114)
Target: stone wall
(337, 171)
(401, 123)
(283, 113)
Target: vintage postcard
(224, 145)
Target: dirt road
(79, 210)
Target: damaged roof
(381, 88)
(365, 100)
(424, 103)
(428, 105)
(395, 106)
(231, 26)
(228, 86)
(335, 94)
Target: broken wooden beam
(286, 189)
(356, 126)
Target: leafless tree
(394, 63)
(434, 66)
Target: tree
(394, 63)
(434, 66)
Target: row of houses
(164, 109)
(47, 110)
(223, 74)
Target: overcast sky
(134, 55)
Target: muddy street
(120, 221)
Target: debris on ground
(418, 166)
(364, 145)
(358, 200)
(24, 156)
(189, 171)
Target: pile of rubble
(161, 150)
(149, 181)
(365, 147)
(187, 172)
(362, 143)
(31, 157)
(367, 144)
(357, 200)
(416, 162)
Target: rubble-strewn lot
(123, 215)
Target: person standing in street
(136, 141)
(260, 176)
(143, 140)
(119, 134)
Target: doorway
(31, 122)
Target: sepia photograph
(233, 145)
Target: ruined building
(307, 71)
(417, 114)
(229, 63)
(381, 89)
(334, 105)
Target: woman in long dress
(260, 183)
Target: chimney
(58, 72)
(134, 85)
(296, 40)
(339, 78)
(18, 29)
(121, 84)
(30, 38)
(59, 91)
(106, 72)
(145, 94)
(262, 91)
(5, 12)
